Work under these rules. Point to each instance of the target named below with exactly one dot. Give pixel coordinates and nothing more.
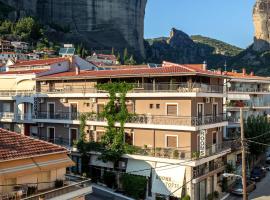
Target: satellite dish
(229, 84)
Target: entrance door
(51, 134)
(73, 111)
(51, 111)
(73, 136)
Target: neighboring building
(179, 111)
(5, 46)
(28, 163)
(20, 47)
(247, 91)
(101, 60)
(67, 51)
(5, 56)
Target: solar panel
(67, 51)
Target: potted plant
(176, 154)
(75, 145)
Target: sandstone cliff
(97, 23)
(261, 19)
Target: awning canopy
(139, 167)
(168, 180)
(94, 161)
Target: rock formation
(97, 23)
(261, 19)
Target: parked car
(237, 187)
(257, 174)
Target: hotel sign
(203, 143)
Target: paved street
(261, 193)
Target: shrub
(129, 181)
(187, 197)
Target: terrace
(72, 187)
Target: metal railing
(56, 140)
(210, 168)
(16, 117)
(12, 93)
(183, 153)
(143, 88)
(248, 89)
(141, 119)
(45, 190)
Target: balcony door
(214, 142)
(51, 134)
(200, 113)
(51, 110)
(73, 111)
(73, 136)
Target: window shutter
(172, 110)
(172, 141)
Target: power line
(266, 133)
(258, 143)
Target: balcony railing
(183, 154)
(12, 93)
(14, 116)
(141, 119)
(201, 172)
(248, 90)
(144, 88)
(55, 189)
(56, 140)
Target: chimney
(244, 71)
(204, 65)
(252, 73)
(77, 70)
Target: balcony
(13, 93)
(56, 140)
(199, 172)
(183, 154)
(138, 120)
(250, 89)
(11, 116)
(71, 188)
(144, 88)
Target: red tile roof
(17, 146)
(244, 76)
(49, 61)
(166, 69)
(7, 53)
(24, 72)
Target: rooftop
(245, 75)
(17, 146)
(42, 62)
(23, 72)
(132, 71)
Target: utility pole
(244, 176)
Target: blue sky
(226, 20)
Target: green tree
(27, 29)
(6, 27)
(253, 127)
(125, 56)
(131, 61)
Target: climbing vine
(112, 145)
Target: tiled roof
(7, 53)
(17, 146)
(244, 76)
(24, 72)
(166, 69)
(49, 61)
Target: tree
(254, 127)
(125, 56)
(131, 61)
(27, 29)
(112, 51)
(6, 27)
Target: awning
(238, 97)
(168, 179)
(94, 161)
(139, 167)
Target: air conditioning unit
(66, 125)
(41, 100)
(40, 125)
(64, 100)
(43, 83)
(93, 100)
(207, 100)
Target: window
(171, 141)
(151, 106)
(99, 135)
(172, 110)
(215, 110)
(157, 106)
(214, 137)
(100, 108)
(130, 107)
(200, 110)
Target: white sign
(168, 180)
(203, 143)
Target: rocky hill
(98, 24)
(181, 48)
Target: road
(261, 193)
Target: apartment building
(5, 45)
(29, 167)
(178, 116)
